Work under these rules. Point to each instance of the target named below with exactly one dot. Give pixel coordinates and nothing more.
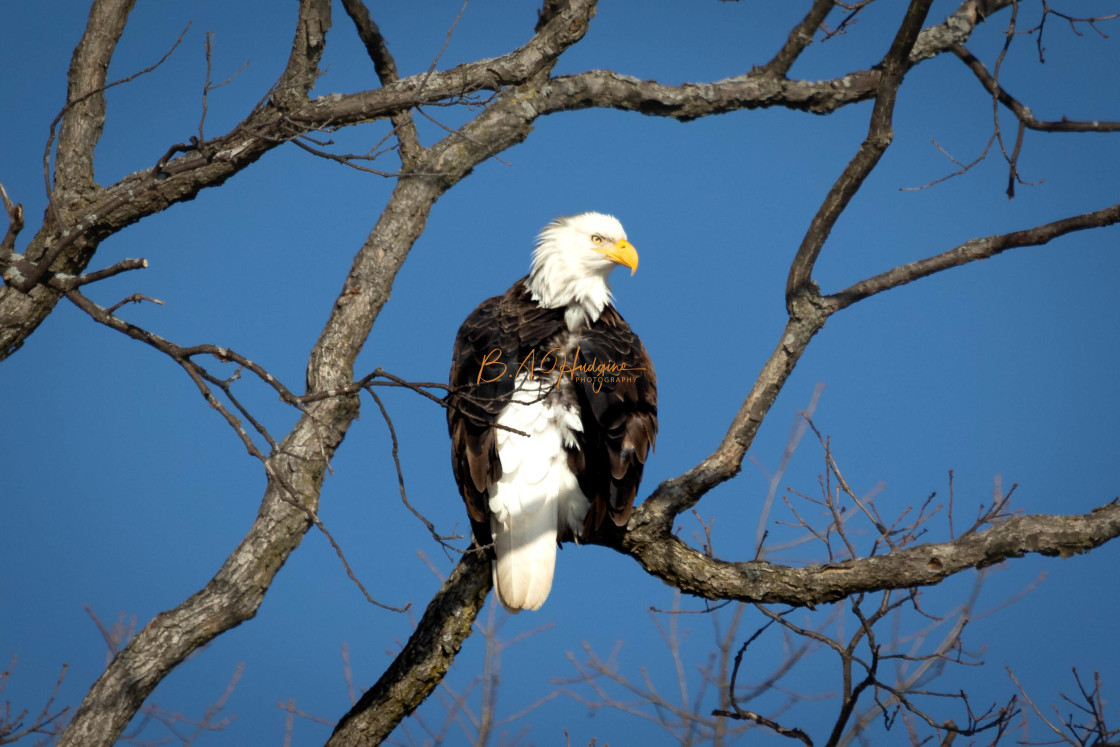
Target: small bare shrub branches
(183, 729)
(1023, 114)
(47, 722)
(682, 714)
(888, 649)
(1083, 726)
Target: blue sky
(124, 491)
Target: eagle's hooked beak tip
(624, 253)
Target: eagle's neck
(581, 293)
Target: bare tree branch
(1022, 112)
(426, 657)
(85, 95)
(386, 67)
(879, 136)
(800, 37)
(13, 729)
(670, 559)
(970, 251)
(302, 457)
(287, 114)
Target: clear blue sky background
(124, 491)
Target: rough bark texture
(670, 559)
(426, 657)
(89, 213)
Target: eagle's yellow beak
(622, 252)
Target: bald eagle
(553, 407)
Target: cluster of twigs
(23, 274)
(679, 709)
(1083, 726)
(47, 722)
(236, 414)
(862, 654)
(1023, 114)
(883, 675)
(176, 727)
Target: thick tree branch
(234, 594)
(667, 557)
(763, 87)
(386, 68)
(754, 90)
(800, 37)
(82, 125)
(15, 225)
(879, 136)
(288, 115)
(807, 316)
(426, 657)
(308, 44)
(956, 28)
(563, 30)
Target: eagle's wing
(616, 388)
(492, 343)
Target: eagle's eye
(596, 239)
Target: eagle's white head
(573, 257)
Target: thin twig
(442, 539)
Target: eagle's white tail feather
(526, 557)
(536, 489)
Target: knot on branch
(805, 304)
